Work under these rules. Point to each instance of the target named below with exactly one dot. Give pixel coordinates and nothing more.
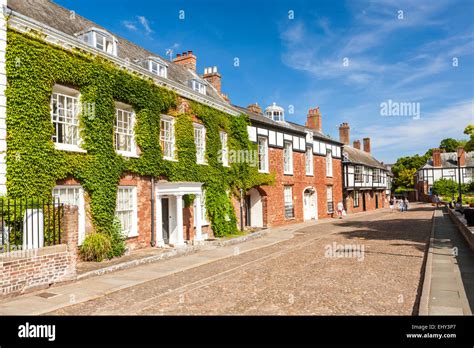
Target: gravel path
(376, 271)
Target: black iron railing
(29, 223)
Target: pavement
(286, 271)
(449, 277)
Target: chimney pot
(344, 133)
(314, 119)
(436, 157)
(366, 145)
(186, 60)
(214, 78)
(461, 156)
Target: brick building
(366, 180)
(306, 164)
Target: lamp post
(460, 153)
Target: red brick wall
(369, 201)
(299, 180)
(22, 271)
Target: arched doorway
(254, 209)
(310, 204)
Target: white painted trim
(3, 98)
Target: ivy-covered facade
(127, 141)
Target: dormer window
(275, 113)
(199, 87)
(157, 67)
(99, 39)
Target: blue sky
(345, 57)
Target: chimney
(213, 77)
(436, 158)
(255, 108)
(314, 120)
(356, 144)
(366, 145)
(344, 133)
(186, 59)
(461, 155)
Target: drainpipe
(152, 212)
(241, 210)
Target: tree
(404, 169)
(470, 144)
(449, 144)
(404, 179)
(445, 187)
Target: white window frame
(164, 119)
(81, 216)
(204, 219)
(199, 87)
(133, 211)
(288, 201)
(224, 148)
(329, 198)
(71, 96)
(100, 40)
(329, 171)
(157, 68)
(288, 158)
(356, 201)
(358, 173)
(200, 142)
(125, 110)
(262, 153)
(309, 161)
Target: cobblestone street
(301, 276)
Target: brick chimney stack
(436, 158)
(186, 59)
(314, 119)
(213, 77)
(461, 154)
(344, 133)
(356, 144)
(366, 145)
(255, 108)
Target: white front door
(73, 195)
(309, 206)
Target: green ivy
(34, 165)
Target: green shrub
(96, 247)
(117, 239)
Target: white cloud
(417, 136)
(146, 25)
(129, 25)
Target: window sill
(132, 235)
(290, 218)
(288, 173)
(170, 159)
(309, 174)
(127, 154)
(202, 163)
(67, 147)
(263, 171)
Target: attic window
(99, 39)
(199, 87)
(157, 68)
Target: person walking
(392, 203)
(340, 209)
(405, 204)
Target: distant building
(366, 180)
(444, 165)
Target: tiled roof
(290, 126)
(361, 157)
(59, 18)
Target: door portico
(171, 193)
